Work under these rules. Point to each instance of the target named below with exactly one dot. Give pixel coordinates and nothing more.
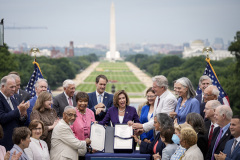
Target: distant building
(218, 44)
(196, 47)
(71, 50)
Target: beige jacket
(64, 145)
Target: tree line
(174, 67)
(54, 70)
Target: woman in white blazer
(38, 149)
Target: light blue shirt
(191, 105)
(178, 153)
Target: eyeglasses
(71, 115)
(37, 129)
(206, 95)
(150, 96)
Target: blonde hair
(189, 136)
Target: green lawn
(126, 87)
(118, 72)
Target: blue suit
(29, 110)
(143, 119)
(107, 101)
(236, 152)
(9, 119)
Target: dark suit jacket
(112, 115)
(9, 119)
(236, 152)
(60, 102)
(207, 126)
(199, 98)
(221, 144)
(147, 148)
(24, 95)
(202, 143)
(107, 101)
(17, 98)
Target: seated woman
(188, 140)
(186, 102)
(197, 122)
(21, 140)
(147, 114)
(161, 120)
(37, 149)
(82, 125)
(42, 111)
(121, 113)
(176, 139)
(166, 137)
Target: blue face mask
(175, 139)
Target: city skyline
(137, 21)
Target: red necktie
(70, 101)
(210, 135)
(158, 101)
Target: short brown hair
(20, 133)
(116, 95)
(149, 90)
(34, 123)
(167, 133)
(189, 136)
(42, 98)
(101, 76)
(1, 132)
(82, 96)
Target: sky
(137, 21)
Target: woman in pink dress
(82, 125)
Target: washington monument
(112, 55)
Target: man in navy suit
(232, 147)
(221, 134)
(204, 82)
(11, 114)
(40, 86)
(100, 101)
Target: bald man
(223, 115)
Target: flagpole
(35, 51)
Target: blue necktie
(99, 98)
(216, 143)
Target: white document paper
(97, 137)
(123, 131)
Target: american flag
(35, 76)
(209, 71)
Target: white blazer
(36, 152)
(167, 104)
(64, 145)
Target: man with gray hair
(223, 115)
(40, 86)
(64, 144)
(23, 95)
(210, 93)
(11, 114)
(165, 102)
(204, 82)
(210, 124)
(66, 98)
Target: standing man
(221, 134)
(11, 114)
(232, 147)
(24, 95)
(165, 101)
(64, 144)
(67, 98)
(40, 86)
(100, 101)
(210, 124)
(210, 93)
(204, 82)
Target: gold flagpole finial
(207, 49)
(34, 51)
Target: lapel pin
(227, 134)
(127, 112)
(105, 97)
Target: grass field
(118, 72)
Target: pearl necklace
(122, 110)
